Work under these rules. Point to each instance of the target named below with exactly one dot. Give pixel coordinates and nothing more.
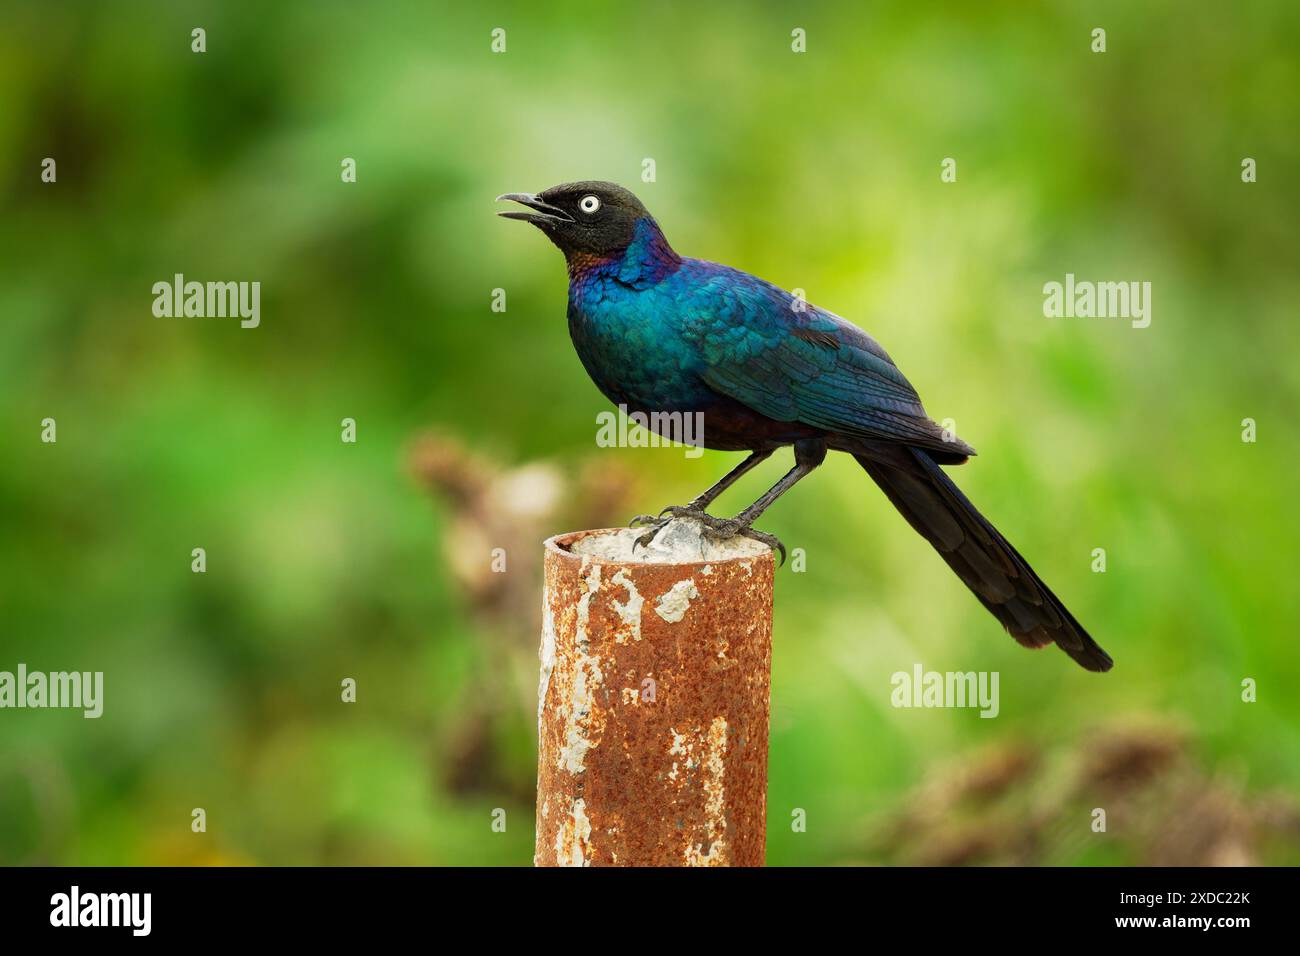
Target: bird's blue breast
(632, 344)
(631, 319)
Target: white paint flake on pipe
(714, 799)
(546, 653)
(629, 613)
(573, 838)
(674, 603)
(580, 730)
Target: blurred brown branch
(1021, 804)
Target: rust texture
(653, 711)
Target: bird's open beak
(545, 214)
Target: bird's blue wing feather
(791, 361)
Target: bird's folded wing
(815, 368)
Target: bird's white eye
(589, 204)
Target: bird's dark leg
(808, 454)
(696, 508)
(702, 501)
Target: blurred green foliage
(818, 171)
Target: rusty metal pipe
(653, 700)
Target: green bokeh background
(818, 171)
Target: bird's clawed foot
(719, 528)
(657, 523)
(722, 529)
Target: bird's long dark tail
(997, 574)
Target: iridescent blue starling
(659, 332)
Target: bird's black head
(583, 219)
